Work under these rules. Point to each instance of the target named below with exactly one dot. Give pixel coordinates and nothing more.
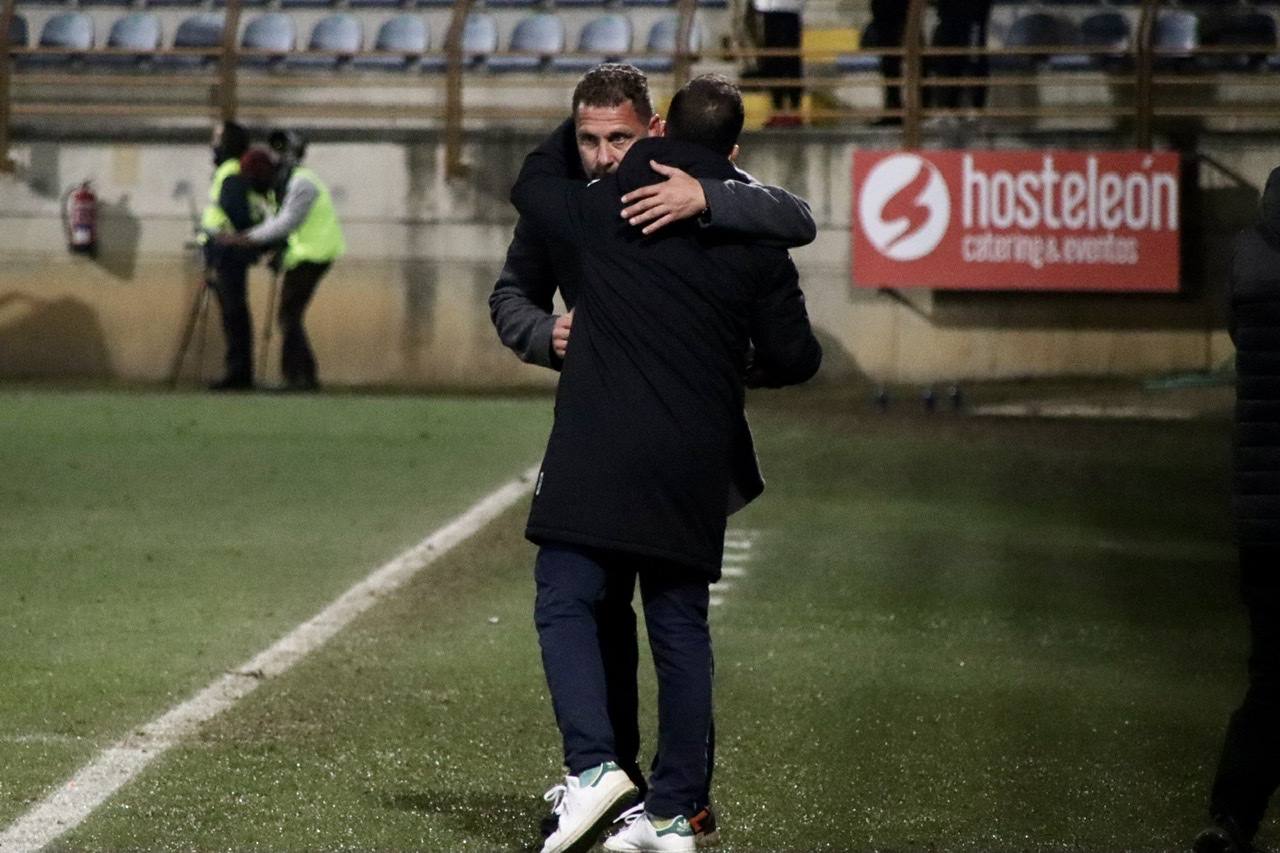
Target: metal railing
(223, 88)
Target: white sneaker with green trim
(585, 804)
(645, 833)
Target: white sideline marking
(1084, 410)
(737, 549)
(91, 785)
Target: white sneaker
(585, 805)
(645, 833)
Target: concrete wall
(407, 306)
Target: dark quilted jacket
(1255, 329)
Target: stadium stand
(1251, 29)
(17, 31)
(604, 39)
(64, 37)
(138, 32)
(334, 40)
(267, 39)
(541, 36)
(479, 39)
(1109, 31)
(199, 31)
(1176, 36)
(404, 38)
(662, 40)
(1036, 29)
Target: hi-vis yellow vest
(214, 218)
(318, 239)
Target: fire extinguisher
(80, 217)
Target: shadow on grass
(508, 821)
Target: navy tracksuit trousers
(587, 633)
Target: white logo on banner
(904, 207)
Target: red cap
(258, 165)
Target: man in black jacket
(612, 110)
(1249, 769)
(642, 466)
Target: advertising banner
(1017, 220)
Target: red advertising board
(1017, 220)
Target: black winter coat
(649, 410)
(1255, 329)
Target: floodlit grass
(150, 542)
(953, 634)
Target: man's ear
(657, 127)
(733, 155)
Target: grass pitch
(951, 633)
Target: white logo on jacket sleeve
(904, 207)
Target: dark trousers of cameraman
(230, 282)
(1249, 770)
(297, 361)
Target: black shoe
(232, 383)
(1224, 836)
(705, 831)
(300, 386)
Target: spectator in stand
(1249, 769)
(887, 27)
(961, 23)
(779, 23)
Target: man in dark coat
(640, 470)
(612, 109)
(961, 23)
(1249, 769)
(886, 29)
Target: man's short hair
(612, 84)
(235, 139)
(708, 111)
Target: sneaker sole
(608, 812)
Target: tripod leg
(199, 303)
(268, 324)
(204, 330)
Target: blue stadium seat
(510, 4)
(18, 32)
(203, 30)
(138, 32)
(68, 35)
(406, 35)
(173, 3)
(1252, 29)
(341, 32)
(661, 44)
(662, 3)
(426, 4)
(1034, 29)
(374, 4)
(479, 39)
(270, 36)
(1176, 34)
(540, 35)
(605, 39)
(1101, 30)
(244, 4)
(305, 4)
(567, 3)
